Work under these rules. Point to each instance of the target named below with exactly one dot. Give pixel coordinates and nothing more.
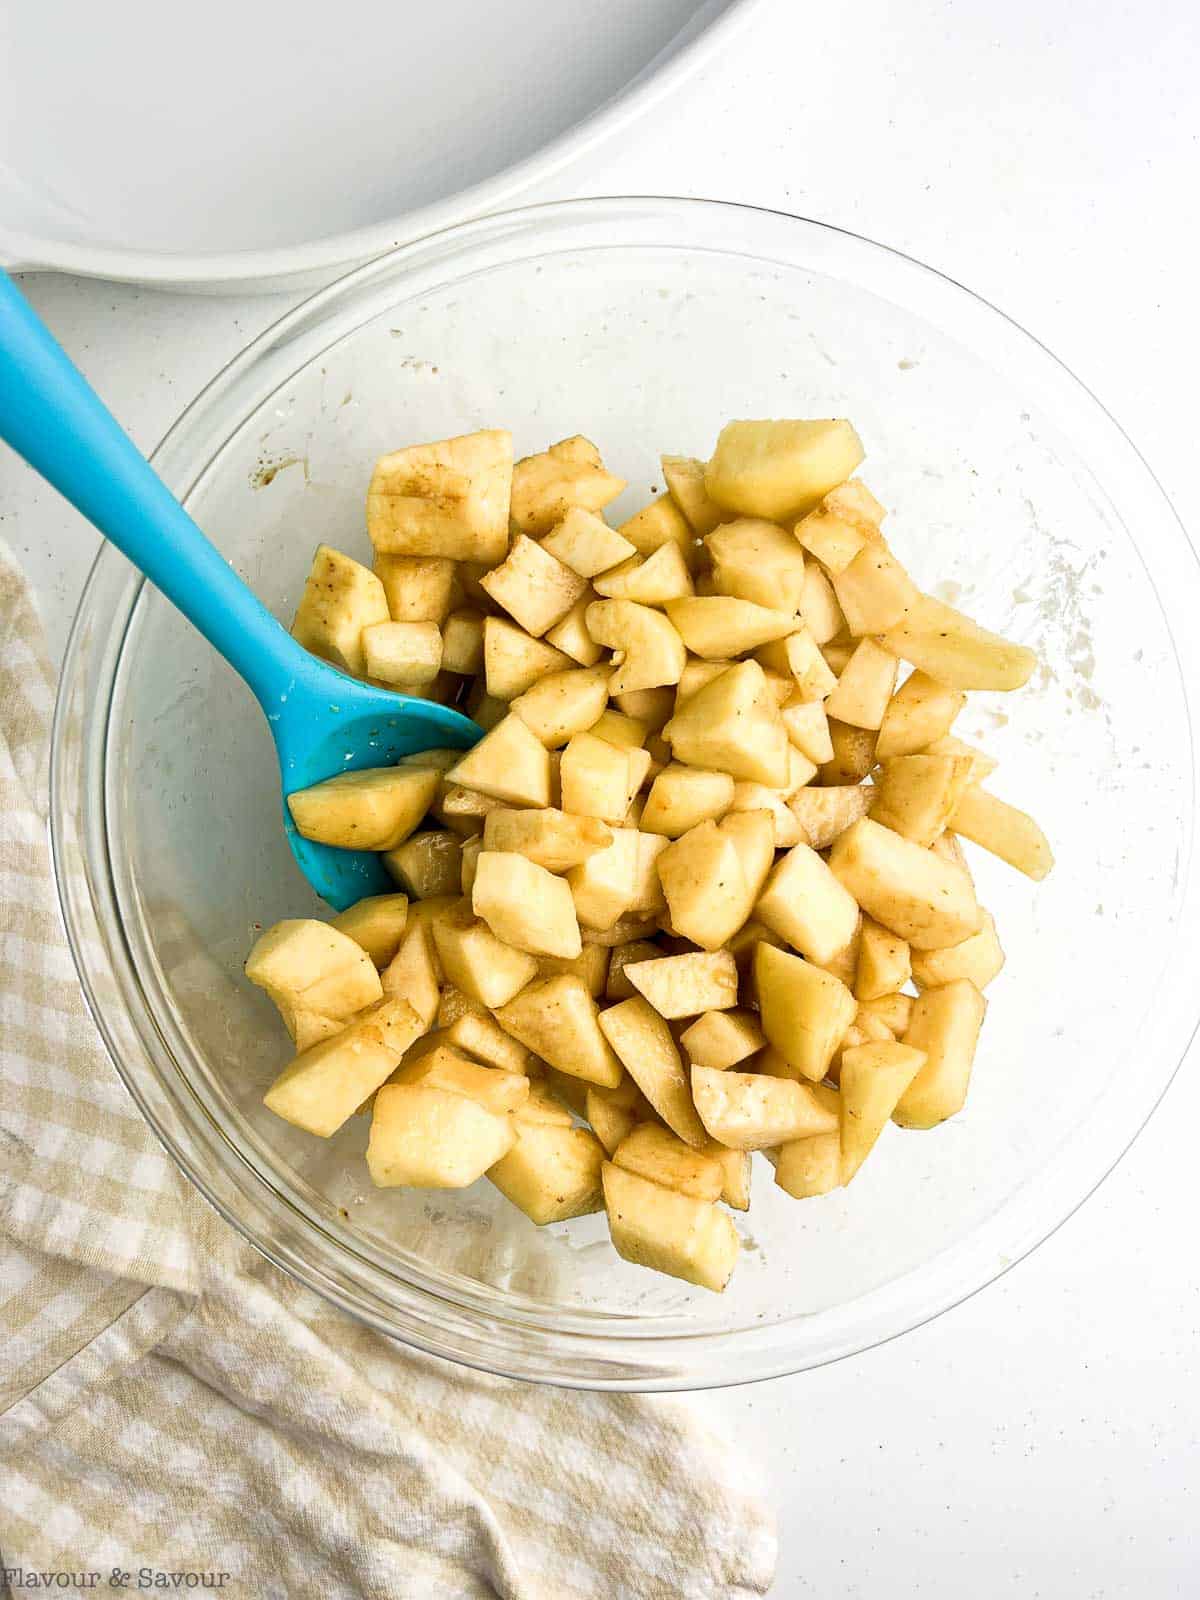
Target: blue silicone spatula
(322, 721)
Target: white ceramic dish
(262, 146)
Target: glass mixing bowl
(646, 324)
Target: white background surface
(1042, 1440)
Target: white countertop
(1044, 1438)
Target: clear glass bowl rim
(481, 1329)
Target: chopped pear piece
(462, 642)
(585, 543)
(340, 599)
(650, 580)
(404, 655)
(546, 486)
(804, 1010)
(686, 985)
(414, 971)
(758, 561)
(746, 1111)
(807, 725)
(643, 1043)
(590, 966)
(377, 924)
(564, 703)
(551, 838)
(445, 499)
(551, 1173)
(659, 523)
(684, 477)
(654, 1152)
(535, 589)
(944, 1026)
(477, 1034)
(611, 1124)
(432, 1138)
(875, 592)
(1008, 833)
(445, 1068)
(557, 1019)
(571, 636)
(834, 535)
(510, 764)
(915, 795)
(825, 814)
(525, 906)
(884, 962)
(894, 1010)
(733, 725)
(807, 1167)
(705, 887)
(820, 611)
(605, 886)
(514, 660)
(719, 626)
(799, 655)
(375, 809)
(544, 1107)
(314, 966)
(911, 891)
(681, 797)
(475, 961)
(720, 1039)
(428, 863)
(326, 1083)
(874, 1077)
(921, 711)
(600, 779)
(978, 958)
(982, 764)
(651, 652)
(865, 686)
(463, 811)
(780, 470)
(418, 588)
(669, 1232)
(806, 905)
(696, 675)
(951, 648)
(853, 755)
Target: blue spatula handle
(50, 415)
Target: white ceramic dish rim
(602, 1353)
(311, 263)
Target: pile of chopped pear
(698, 891)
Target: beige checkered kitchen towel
(170, 1402)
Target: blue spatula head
(328, 723)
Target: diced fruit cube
(551, 838)
(551, 1173)
(585, 543)
(377, 924)
(806, 1167)
(921, 711)
(914, 893)
(643, 1043)
(805, 904)
(513, 660)
(340, 599)
(915, 795)
(718, 626)
(825, 814)
(667, 1231)
(944, 1026)
(686, 985)
(720, 1039)
(654, 1152)
(780, 469)
(684, 477)
(524, 905)
(546, 486)
(314, 966)
(509, 764)
(444, 1068)
(705, 887)
(733, 725)
(659, 523)
(884, 962)
(978, 958)
(951, 648)
(747, 1111)
(557, 1019)
(804, 1010)
(534, 588)
(681, 797)
(758, 561)
(873, 1079)
(651, 652)
(433, 1138)
(650, 580)
(444, 499)
(564, 703)
(428, 863)
(404, 655)
(327, 1083)
(865, 686)
(418, 588)
(600, 779)
(375, 809)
